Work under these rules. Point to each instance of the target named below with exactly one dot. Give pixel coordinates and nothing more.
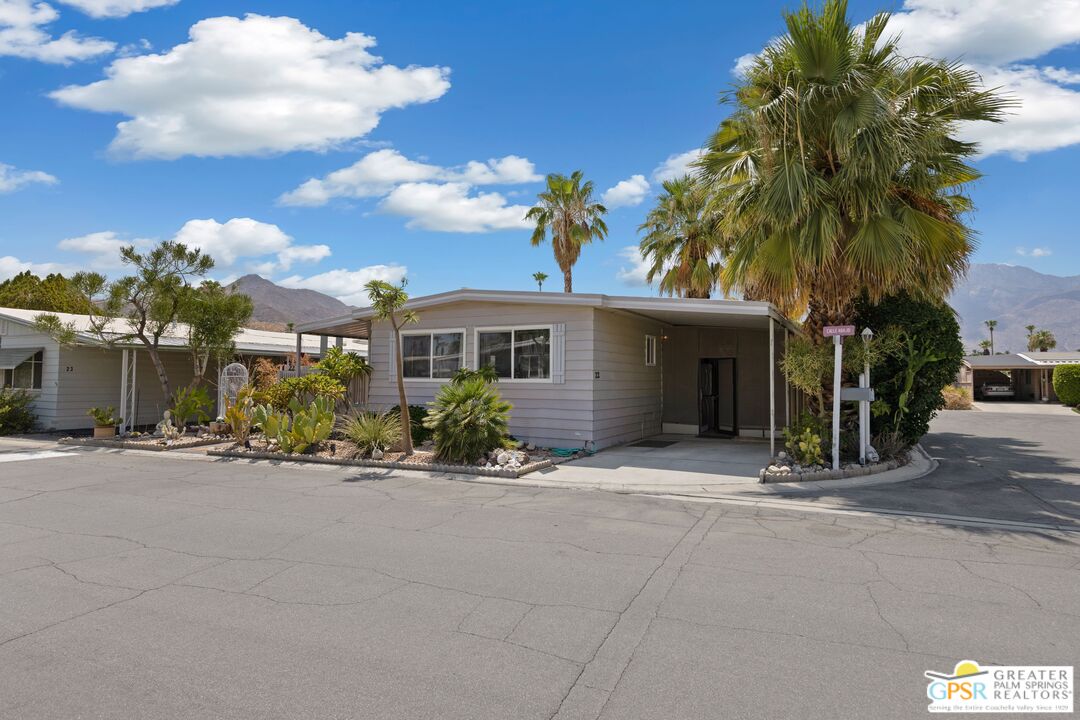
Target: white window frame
(514, 328)
(431, 350)
(651, 344)
(40, 370)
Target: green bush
(805, 439)
(304, 389)
(1067, 384)
(417, 414)
(104, 417)
(343, 366)
(371, 431)
(908, 380)
(469, 419)
(301, 428)
(191, 403)
(15, 413)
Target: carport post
(123, 391)
(299, 351)
(772, 389)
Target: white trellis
(233, 377)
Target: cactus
(306, 428)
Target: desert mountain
(275, 305)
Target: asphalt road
(135, 586)
(1023, 467)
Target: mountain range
(1013, 295)
(276, 306)
(1017, 296)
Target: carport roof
(672, 311)
(1012, 361)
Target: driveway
(1019, 466)
(155, 586)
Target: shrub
(191, 403)
(15, 413)
(371, 431)
(420, 433)
(240, 415)
(304, 389)
(265, 374)
(487, 373)
(104, 417)
(908, 380)
(468, 420)
(1067, 384)
(301, 428)
(343, 366)
(805, 440)
(956, 398)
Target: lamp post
(864, 405)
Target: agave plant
(468, 419)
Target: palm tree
(984, 345)
(1030, 329)
(839, 171)
(540, 277)
(682, 241)
(990, 325)
(1041, 340)
(388, 302)
(566, 208)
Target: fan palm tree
(839, 171)
(567, 210)
(682, 244)
(991, 325)
(984, 345)
(540, 277)
(1042, 340)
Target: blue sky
(140, 120)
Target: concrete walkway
(1025, 408)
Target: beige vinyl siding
(626, 396)
(548, 414)
(16, 335)
(94, 378)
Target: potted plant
(105, 421)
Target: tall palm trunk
(568, 280)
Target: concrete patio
(687, 464)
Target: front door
(716, 396)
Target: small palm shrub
(486, 373)
(1067, 384)
(468, 420)
(417, 414)
(372, 431)
(956, 398)
(15, 413)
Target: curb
(919, 464)
(135, 445)
(386, 464)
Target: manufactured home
(585, 370)
(1013, 376)
(68, 380)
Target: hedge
(1067, 384)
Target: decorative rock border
(849, 471)
(387, 464)
(138, 444)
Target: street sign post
(837, 333)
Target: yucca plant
(468, 419)
(373, 431)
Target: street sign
(838, 330)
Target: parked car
(996, 390)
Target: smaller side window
(650, 350)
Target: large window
(27, 375)
(516, 353)
(437, 354)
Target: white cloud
(378, 173)
(988, 32)
(116, 8)
(450, 207)
(347, 285)
(993, 36)
(252, 86)
(626, 193)
(11, 178)
(11, 266)
(676, 165)
(634, 273)
(103, 246)
(246, 238)
(1034, 252)
(743, 63)
(23, 34)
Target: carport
(1028, 375)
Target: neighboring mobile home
(585, 370)
(1025, 376)
(68, 380)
